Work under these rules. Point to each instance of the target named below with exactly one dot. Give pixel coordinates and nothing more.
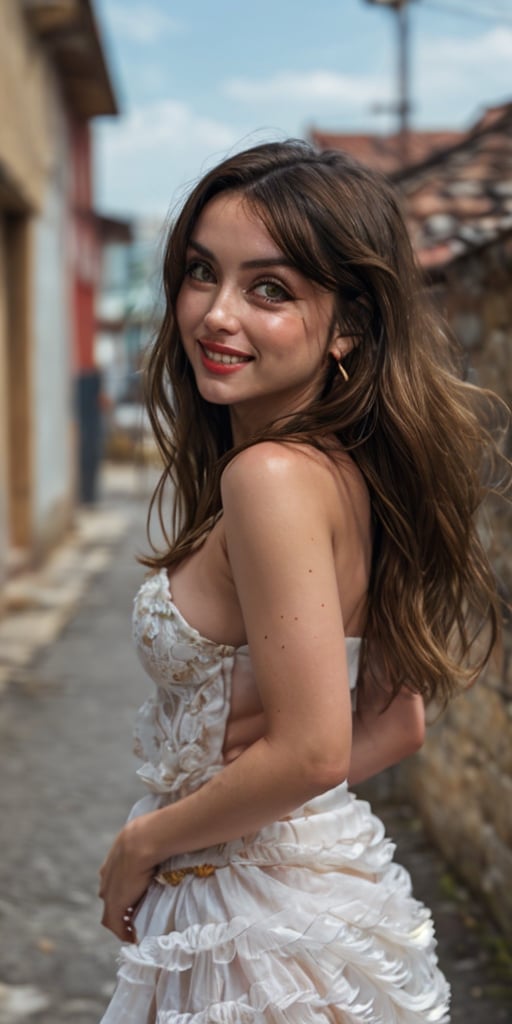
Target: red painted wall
(85, 250)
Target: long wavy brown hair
(421, 436)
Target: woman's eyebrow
(266, 261)
(201, 249)
(269, 261)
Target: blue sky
(199, 79)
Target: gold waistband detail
(205, 870)
(177, 876)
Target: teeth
(218, 357)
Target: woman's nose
(222, 314)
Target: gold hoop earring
(343, 371)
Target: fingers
(128, 924)
(127, 918)
(123, 927)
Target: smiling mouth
(224, 358)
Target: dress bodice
(179, 731)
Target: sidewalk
(41, 602)
(72, 684)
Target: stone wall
(462, 779)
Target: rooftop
(68, 29)
(384, 151)
(457, 185)
(461, 197)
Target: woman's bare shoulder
(283, 462)
(268, 470)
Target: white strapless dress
(308, 921)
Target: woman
(328, 467)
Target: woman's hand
(125, 877)
(381, 738)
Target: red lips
(222, 368)
(223, 350)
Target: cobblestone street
(68, 781)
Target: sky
(198, 80)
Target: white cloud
(311, 86)
(449, 77)
(493, 45)
(167, 124)
(447, 70)
(146, 156)
(142, 22)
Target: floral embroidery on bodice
(179, 732)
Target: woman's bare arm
(383, 738)
(380, 739)
(279, 544)
(280, 548)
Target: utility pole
(402, 106)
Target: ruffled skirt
(308, 921)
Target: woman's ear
(340, 346)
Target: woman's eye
(271, 291)
(199, 272)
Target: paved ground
(66, 714)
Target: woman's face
(256, 331)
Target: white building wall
(52, 364)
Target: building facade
(53, 80)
